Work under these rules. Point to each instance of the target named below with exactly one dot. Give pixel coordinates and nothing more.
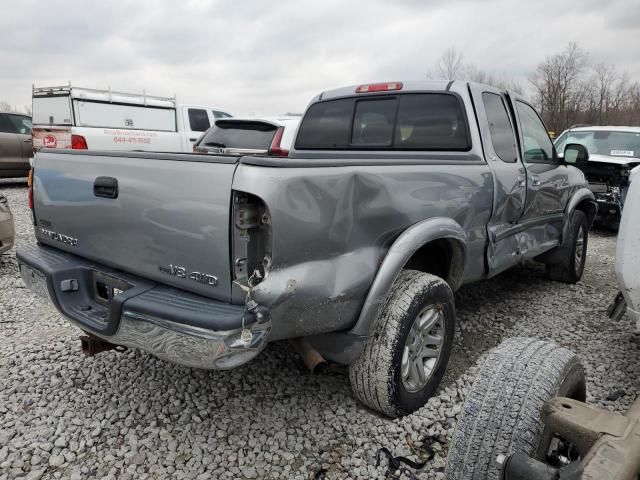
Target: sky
(271, 57)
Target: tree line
(569, 88)
(8, 108)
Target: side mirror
(576, 155)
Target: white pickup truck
(84, 118)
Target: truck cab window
(500, 128)
(537, 144)
(373, 122)
(198, 120)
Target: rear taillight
(379, 87)
(30, 191)
(275, 149)
(78, 142)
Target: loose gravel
(133, 416)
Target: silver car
(16, 147)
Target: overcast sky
(271, 57)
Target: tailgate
(169, 221)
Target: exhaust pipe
(91, 345)
(312, 358)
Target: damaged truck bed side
(393, 196)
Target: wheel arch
(583, 200)
(437, 245)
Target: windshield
(604, 142)
(235, 134)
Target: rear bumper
(122, 309)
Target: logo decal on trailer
(49, 141)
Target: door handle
(193, 139)
(535, 181)
(522, 181)
(28, 140)
(106, 187)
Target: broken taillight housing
(251, 249)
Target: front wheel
(570, 269)
(407, 353)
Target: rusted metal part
(579, 423)
(91, 345)
(609, 443)
(312, 359)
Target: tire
(501, 414)
(377, 377)
(571, 267)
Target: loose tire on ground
(501, 414)
(571, 267)
(376, 376)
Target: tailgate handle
(106, 187)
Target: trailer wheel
(501, 414)
(407, 353)
(571, 267)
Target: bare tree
(560, 90)
(7, 107)
(451, 64)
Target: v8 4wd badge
(182, 272)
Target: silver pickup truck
(392, 197)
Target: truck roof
(105, 96)
(604, 128)
(407, 86)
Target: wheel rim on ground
(422, 347)
(579, 248)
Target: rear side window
(421, 121)
(234, 134)
(198, 120)
(5, 124)
(21, 123)
(502, 134)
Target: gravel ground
(132, 416)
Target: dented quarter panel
(333, 226)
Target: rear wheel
(407, 353)
(501, 414)
(571, 267)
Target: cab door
(497, 129)
(22, 126)
(547, 182)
